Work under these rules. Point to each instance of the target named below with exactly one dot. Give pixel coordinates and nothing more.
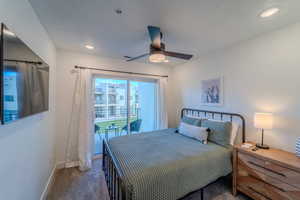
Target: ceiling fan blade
(137, 57)
(178, 55)
(155, 36)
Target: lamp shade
(263, 120)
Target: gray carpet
(71, 184)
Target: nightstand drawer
(271, 169)
(282, 173)
(265, 186)
(250, 161)
(252, 186)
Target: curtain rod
(23, 61)
(124, 72)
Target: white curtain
(162, 113)
(81, 122)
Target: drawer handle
(257, 192)
(257, 165)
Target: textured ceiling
(190, 26)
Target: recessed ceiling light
(89, 47)
(269, 12)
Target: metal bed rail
(117, 188)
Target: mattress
(165, 165)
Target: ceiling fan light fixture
(157, 57)
(157, 52)
(9, 33)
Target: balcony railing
(113, 112)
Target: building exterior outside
(110, 100)
(110, 103)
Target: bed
(163, 164)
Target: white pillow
(196, 132)
(234, 131)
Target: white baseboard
(60, 165)
(71, 164)
(49, 183)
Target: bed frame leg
(103, 156)
(202, 191)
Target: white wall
(261, 74)
(65, 87)
(27, 146)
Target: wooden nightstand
(266, 174)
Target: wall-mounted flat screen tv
(24, 79)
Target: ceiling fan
(157, 51)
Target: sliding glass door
(143, 105)
(122, 107)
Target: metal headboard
(213, 114)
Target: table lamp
(263, 121)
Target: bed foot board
(113, 176)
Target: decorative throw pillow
(234, 130)
(195, 132)
(220, 132)
(191, 121)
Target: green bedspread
(164, 165)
